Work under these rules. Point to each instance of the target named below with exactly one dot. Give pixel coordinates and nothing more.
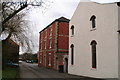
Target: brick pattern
(53, 44)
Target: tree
(13, 23)
(16, 7)
(29, 56)
(26, 56)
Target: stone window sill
(93, 29)
(94, 69)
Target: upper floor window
(72, 30)
(45, 44)
(72, 54)
(45, 33)
(40, 45)
(50, 42)
(51, 31)
(94, 58)
(92, 19)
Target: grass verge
(9, 72)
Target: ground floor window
(49, 59)
(72, 54)
(94, 58)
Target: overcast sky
(39, 17)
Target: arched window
(72, 30)
(72, 54)
(92, 19)
(94, 58)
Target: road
(28, 70)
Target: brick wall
(58, 33)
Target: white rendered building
(95, 40)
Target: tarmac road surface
(29, 70)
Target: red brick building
(54, 45)
(10, 51)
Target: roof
(101, 2)
(61, 19)
(11, 42)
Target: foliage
(29, 56)
(12, 8)
(9, 72)
(14, 25)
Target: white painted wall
(105, 34)
(119, 42)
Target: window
(50, 42)
(94, 60)
(92, 19)
(40, 58)
(41, 40)
(72, 30)
(72, 54)
(41, 45)
(49, 59)
(51, 31)
(46, 33)
(45, 44)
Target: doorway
(45, 61)
(66, 65)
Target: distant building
(94, 46)
(10, 51)
(53, 45)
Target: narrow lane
(28, 70)
(25, 72)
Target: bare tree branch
(19, 7)
(14, 13)
(13, 23)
